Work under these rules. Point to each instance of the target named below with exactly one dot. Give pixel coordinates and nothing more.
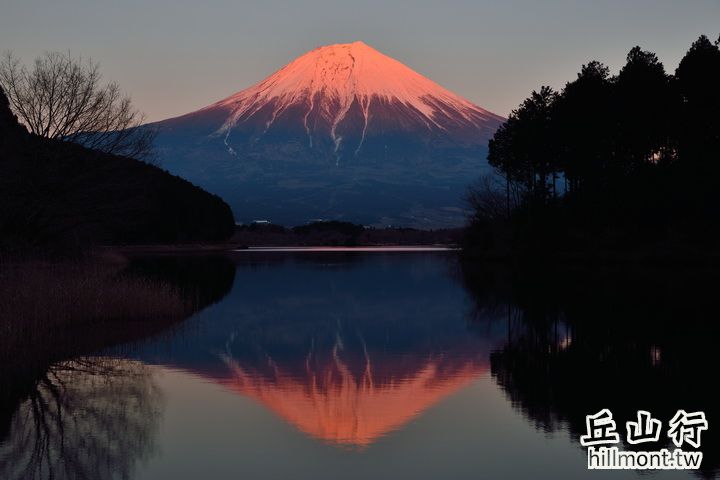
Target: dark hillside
(61, 196)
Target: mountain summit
(341, 120)
(349, 92)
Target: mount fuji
(342, 132)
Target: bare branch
(63, 98)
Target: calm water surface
(327, 365)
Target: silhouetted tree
(638, 154)
(501, 156)
(523, 148)
(645, 109)
(698, 79)
(584, 126)
(62, 97)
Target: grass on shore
(58, 308)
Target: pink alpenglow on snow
(330, 80)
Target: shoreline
(238, 248)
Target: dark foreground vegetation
(337, 233)
(59, 197)
(624, 163)
(57, 306)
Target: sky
(175, 56)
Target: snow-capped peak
(329, 79)
(347, 71)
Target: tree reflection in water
(65, 414)
(579, 342)
(90, 418)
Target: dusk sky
(175, 56)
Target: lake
(328, 364)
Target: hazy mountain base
(291, 183)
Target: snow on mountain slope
(345, 90)
(342, 114)
(339, 75)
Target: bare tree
(63, 98)
(491, 197)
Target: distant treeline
(340, 233)
(60, 197)
(610, 162)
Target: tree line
(609, 160)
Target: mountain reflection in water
(333, 351)
(412, 364)
(333, 403)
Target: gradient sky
(174, 56)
